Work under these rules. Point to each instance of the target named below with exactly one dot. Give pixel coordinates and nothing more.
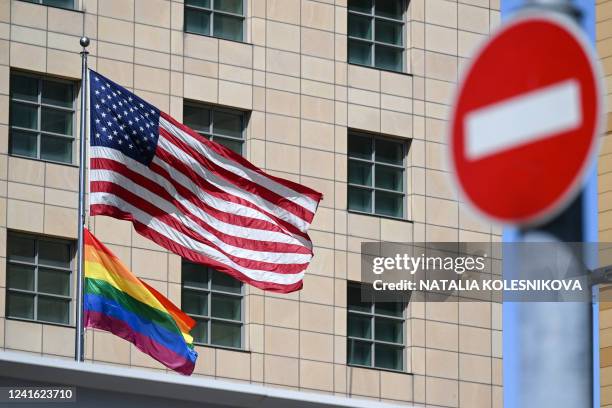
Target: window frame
(373, 41)
(372, 341)
(39, 106)
(209, 291)
(212, 135)
(40, 2)
(211, 26)
(405, 143)
(36, 265)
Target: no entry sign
(525, 121)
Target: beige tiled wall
(292, 74)
(604, 49)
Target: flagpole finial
(84, 41)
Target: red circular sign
(525, 120)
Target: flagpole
(79, 352)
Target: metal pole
(548, 347)
(79, 352)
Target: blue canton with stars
(121, 120)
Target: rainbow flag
(117, 301)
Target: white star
(120, 141)
(115, 132)
(97, 92)
(131, 146)
(96, 78)
(97, 121)
(103, 129)
(97, 106)
(97, 135)
(130, 98)
(103, 114)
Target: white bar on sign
(523, 119)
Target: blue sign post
(522, 322)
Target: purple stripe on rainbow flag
(120, 328)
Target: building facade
(604, 49)
(349, 97)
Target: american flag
(193, 196)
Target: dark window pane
(389, 330)
(359, 326)
(24, 87)
(228, 27)
(194, 302)
(60, 3)
(387, 32)
(390, 178)
(225, 307)
(233, 145)
(232, 6)
(199, 3)
(390, 308)
(389, 152)
(363, 6)
(360, 173)
(360, 147)
(57, 93)
(224, 282)
(23, 143)
(360, 26)
(56, 121)
(197, 118)
(56, 149)
(20, 305)
(194, 275)
(355, 301)
(25, 116)
(54, 282)
(200, 331)
(359, 199)
(389, 8)
(388, 58)
(21, 248)
(53, 310)
(225, 334)
(389, 204)
(359, 352)
(20, 277)
(227, 124)
(360, 52)
(54, 254)
(197, 21)
(388, 357)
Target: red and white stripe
(209, 205)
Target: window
(224, 126)
(376, 175)
(216, 18)
(69, 4)
(375, 332)
(42, 118)
(376, 33)
(214, 300)
(38, 278)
